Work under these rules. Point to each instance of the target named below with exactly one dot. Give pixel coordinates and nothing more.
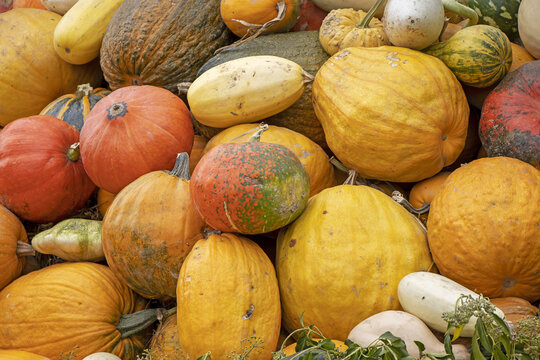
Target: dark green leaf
(506, 343)
(326, 344)
(485, 340)
(205, 357)
(498, 354)
(502, 324)
(448, 345)
(421, 347)
(304, 342)
(476, 354)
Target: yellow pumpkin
(312, 156)
(341, 261)
(391, 113)
(20, 355)
(165, 344)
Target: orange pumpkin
(165, 344)
(424, 191)
(199, 142)
(515, 308)
(520, 56)
(104, 200)
(36, 4)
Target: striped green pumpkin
(73, 108)
(478, 55)
(499, 13)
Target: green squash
(479, 55)
(499, 13)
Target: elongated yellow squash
(78, 35)
(245, 90)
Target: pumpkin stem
(130, 324)
(398, 197)
(338, 164)
(183, 88)
(24, 249)
(207, 231)
(74, 152)
(364, 24)
(257, 136)
(307, 77)
(255, 29)
(461, 10)
(83, 90)
(181, 167)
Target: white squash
(58, 6)
(405, 326)
(102, 356)
(529, 26)
(365, 5)
(427, 295)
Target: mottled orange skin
(53, 310)
(11, 231)
(165, 342)
(483, 228)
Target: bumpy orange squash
(391, 113)
(486, 216)
(165, 344)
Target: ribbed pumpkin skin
(133, 131)
(165, 344)
(486, 216)
(332, 262)
(20, 355)
(515, 308)
(82, 300)
(172, 43)
(148, 231)
(11, 231)
(312, 156)
(479, 55)
(28, 54)
(509, 125)
(38, 182)
(236, 271)
(502, 14)
(73, 108)
(391, 113)
(249, 188)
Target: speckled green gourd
(499, 13)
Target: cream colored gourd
(427, 295)
(72, 240)
(405, 326)
(102, 356)
(329, 5)
(59, 6)
(78, 35)
(529, 27)
(245, 90)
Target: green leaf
(205, 357)
(448, 345)
(506, 343)
(485, 340)
(457, 332)
(421, 347)
(326, 344)
(476, 354)
(502, 324)
(498, 354)
(304, 342)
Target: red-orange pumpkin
(35, 4)
(5, 5)
(42, 177)
(514, 308)
(311, 17)
(133, 131)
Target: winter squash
(383, 245)
(35, 4)
(424, 191)
(104, 200)
(73, 108)
(20, 355)
(165, 342)
(251, 187)
(472, 141)
(382, 121)
(171, 45)
(493, 238)
(312, 156)
(14, 247)
(199, 142)
(42, 178)
(47, 76)
(146, 250)
(246, 16)
(6, 5)
(479, 55)
(365, 5)
(311, 16)
(236, 271)
(515, 308)
(502, 14)
(528, 26)
(520, 56)
(303, 48)
(59, 6)
(84, 300)
(509, 123)
(147, 121)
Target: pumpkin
(301, 47)
(479, 55)
(14, 247)
(493, 239)
(73, 108)
(46, 76)
(20, 355)
(424, 191)
(528, 27)
(311, 17)
(472, 141)
(251, 187)
(104, 200)
(6, 5)
(368, 253)
(151, 124)
(502, 14)
(58, 6)
(35, 4)
(509, 124)
(199, 142)
(171, 45)
(515, 308)
(313, 158)
(391, 113)
(291, 349)
(150, 228)
(84, 300)
(246, 16)
(520, 56)
(365, 5)
(236, 271)
(343, 28)
(165, 344)
(42, 178)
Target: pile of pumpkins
(356, 165)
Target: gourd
(405, 326)
(424, 191)
(246, 90)
(34, 4)
(428, 295)
(365, 5)
(479, 55)
(165, 342)
(236, 271)
(385, 123)
(102, 356)
(515, 308)
(172, 43)
(150, 228)
(6, 5)
(42, 177)
(148, 121)
(528, 27)
(502, 14)
(73, 108)
(493, 239)
(72, 240)
(20, 355)
(46, 76)
(59, 6)
(382, 246)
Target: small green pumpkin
(73, 108)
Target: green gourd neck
(364, 24)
